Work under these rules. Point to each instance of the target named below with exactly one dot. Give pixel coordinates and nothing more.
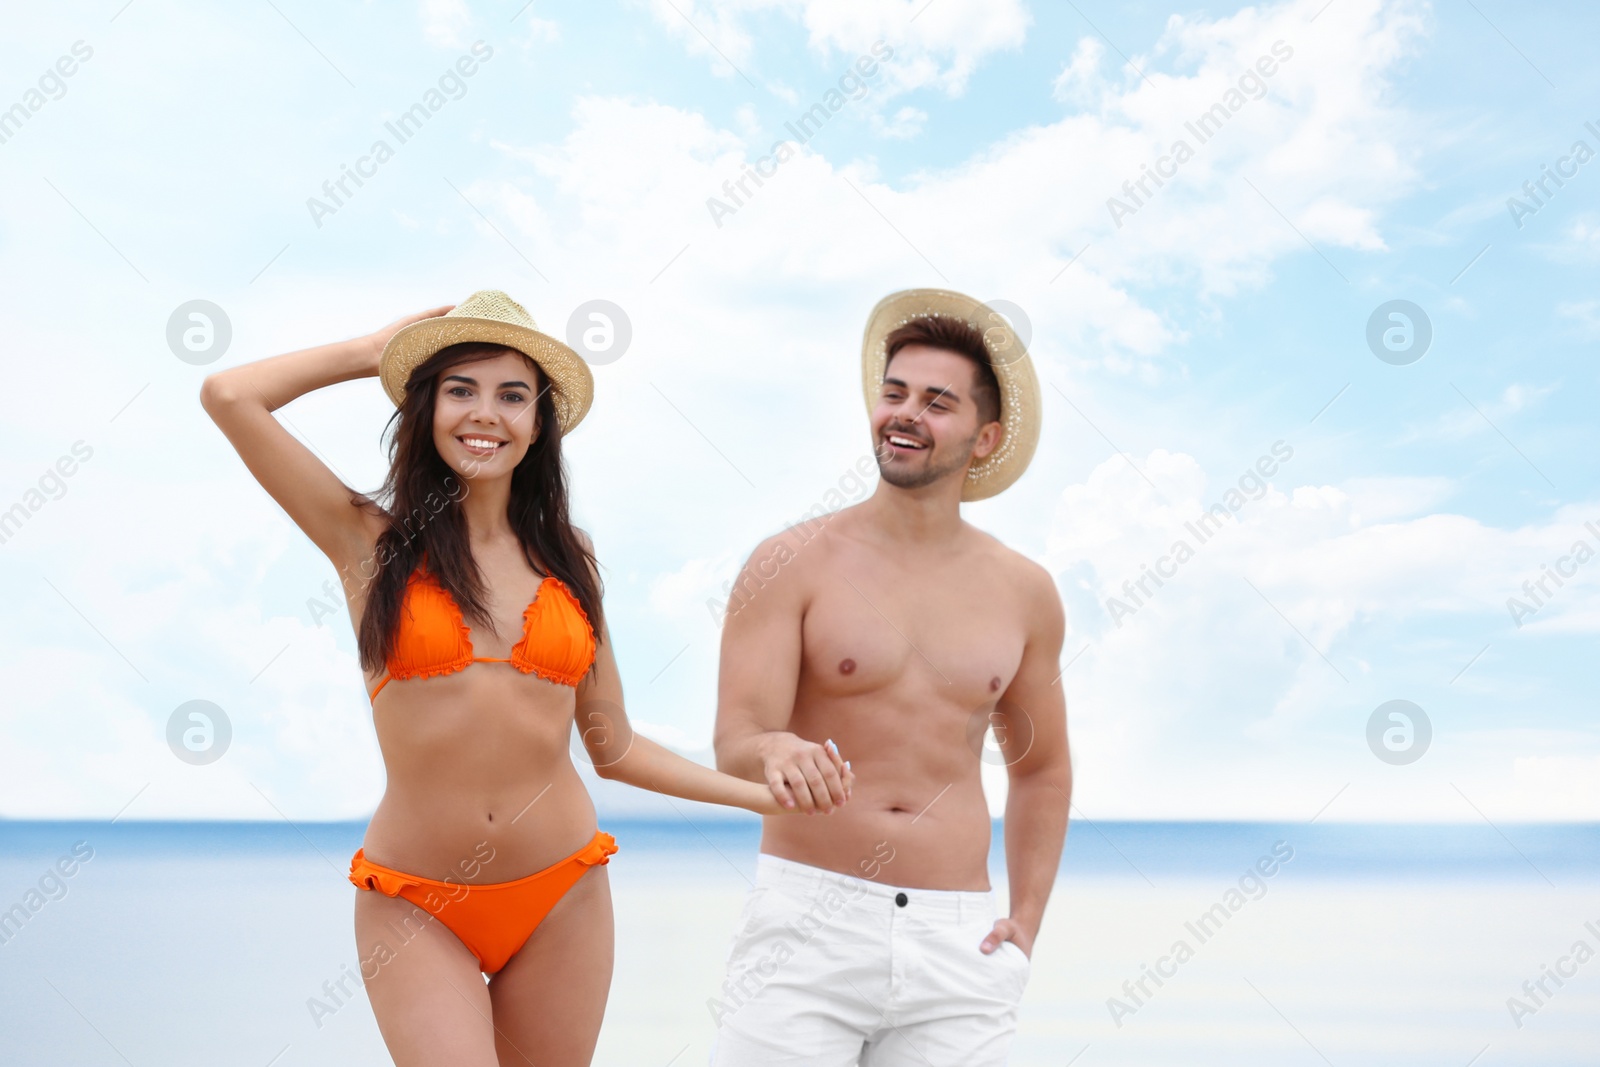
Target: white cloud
(1583, 237)
(1079, 80)
(936, 45)
(186, 609)
(1322, 143)
(540, 31)
(1462, 421)
(1171, 706)
(1381, 499)
(700, 580)
(446, 23)
(902, 126)
(1552, 783)
(1585, 314)
(714, 30)
(748, 120)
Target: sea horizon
(1103, 847)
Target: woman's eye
(515, 398)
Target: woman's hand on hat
(378, 338)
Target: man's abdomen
(894, 836)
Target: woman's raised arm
(241, 400)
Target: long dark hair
(421, 499)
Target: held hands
(1007, 930)
(805, 776)
(378, 338)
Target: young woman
(482, 636)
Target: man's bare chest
(958, 636)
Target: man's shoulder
(797, 548)
(1006, 561)
(1013, 569)
(815, 534)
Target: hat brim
(1013, 369)
(571, 383)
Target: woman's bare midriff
(481, 784)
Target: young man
(897, 634)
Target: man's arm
(1031, 728)
(757, 681)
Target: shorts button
(901, 899)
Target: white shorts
(829, 970)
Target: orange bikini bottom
(494, 920)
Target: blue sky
(1176, 349)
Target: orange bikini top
(557, 641)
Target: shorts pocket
(747, 919)
(1023, 965)
(764, 907)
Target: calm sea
(205, 943)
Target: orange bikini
(557, 640)
(492, 921)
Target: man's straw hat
(1019, 388)
(492, 316)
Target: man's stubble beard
(929, 474)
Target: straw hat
(492, 316)
(1019, 388)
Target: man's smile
(901, 443)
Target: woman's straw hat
(492, 316)
(1019, 388)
